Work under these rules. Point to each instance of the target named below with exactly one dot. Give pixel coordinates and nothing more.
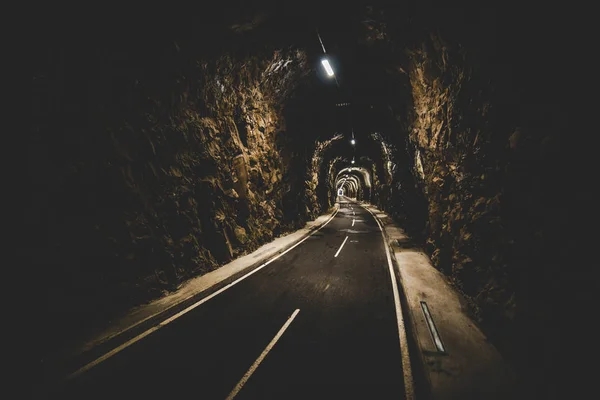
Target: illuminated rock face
(185, 177)
(480, 166)
(487, 180)
(457, 163)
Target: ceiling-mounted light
(352, 161)
(328, 68)
(352, 141)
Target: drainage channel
(437, 340)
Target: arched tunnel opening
(354, 182)
(163, 147)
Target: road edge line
(201, 301)
(409, 389)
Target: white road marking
(353, 221)
(260, 358)
(348, 230)
(340, 249)
(353, 213)
(406, 368)
(142, 335)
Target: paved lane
(342, 343)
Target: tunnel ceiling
(370, 93)
(370, 85)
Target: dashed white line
(262, 356)
(353, 221)
(340, 249)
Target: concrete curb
(144, 317)
(466, 366)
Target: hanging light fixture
(325, 61)
(328, 68)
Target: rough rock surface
(460, 177)
(487, 191)
(185, 176)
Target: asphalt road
(341, 344)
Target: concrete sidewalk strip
(195, 288)
(469, 367)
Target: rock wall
(451, 135)
(184, 175)
(495, 174)
(494, 210)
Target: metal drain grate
(437, 340)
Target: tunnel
(165, 144)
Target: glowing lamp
(327, 67)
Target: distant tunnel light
(328, 69)
(352, 161)
(352, 142)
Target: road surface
(319, 322)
